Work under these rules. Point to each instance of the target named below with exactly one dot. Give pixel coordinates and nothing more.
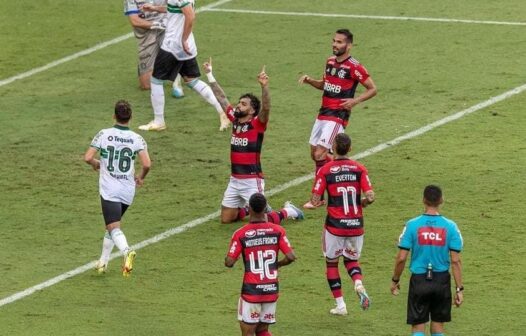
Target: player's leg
(248, 317)
(177, 88)
(165, 64)
(351, 253)
(190, 72)
(332, 247)
(148, 48)
(440, 304)
(113, 212)
(418, 311)
(289, 211)
(267, 317)
(107, 247)
(233, 204)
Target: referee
(435, 243)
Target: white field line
(373, 17)
(276, 190)
(89, 50)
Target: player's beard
(240, 114)
(339, 52)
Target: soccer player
(259, 242)
(435, 243)
(178, 56)
(249, 118)
(118, 147)
(148, 22)
(340, 79)
(349, 189)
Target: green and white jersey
(174, 31)
(133, 7)
(118, 147)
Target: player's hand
(139, 181)
(186, 48)
(459, 298)
(159, 25)
(263, 77)
(207, 66)
(395, 288)
(348, 103)
(303, 79)
(95, 164)
(148, 7)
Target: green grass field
(50, 215)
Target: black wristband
(460, 289)
(395, 281)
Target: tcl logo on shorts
(431, 236)
(332, 87)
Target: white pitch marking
(276, 190)
(88, 51)
(374, 17)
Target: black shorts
(166, 67)
(429, 298)
(112, 211)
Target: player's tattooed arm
(216, 89)
(315, 200)
(265, 96)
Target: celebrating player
(249, 118)
(259, 242)
(340, 79)
(178, 56)
(349, 189)
(118, 147)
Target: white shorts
(239, 191)
(256, 312)
(336, 246)
(324, 132)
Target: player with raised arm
(349, 191)
(249, 122)
(178, 56)
(118, 147)
(259, 242)
(341, 77)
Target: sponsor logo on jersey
(349, 168)
(333, 71)
(119, 139)
(267, 287)
(428, 235)
(239, 141)
(335, 169)
(350, 222)
(332, 87)
(250, 233)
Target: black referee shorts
(429, 298)
(166, 66)
(112, 211)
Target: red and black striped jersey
(245, 146)
(259, 243)
(340, 82)
(344, 180)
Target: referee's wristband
(211, 78)
(395, 281)
(460, 289)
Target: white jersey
(173, 35)
(118, 147)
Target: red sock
(242, 213)
(333, 278)
(353, 268)
(276, 217)
(263, 333)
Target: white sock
(157, 98)
(206, 92)
(340, 303)
(291, 213)
(107, 247)
(357, 283)
(177, 82)
(119, 239)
